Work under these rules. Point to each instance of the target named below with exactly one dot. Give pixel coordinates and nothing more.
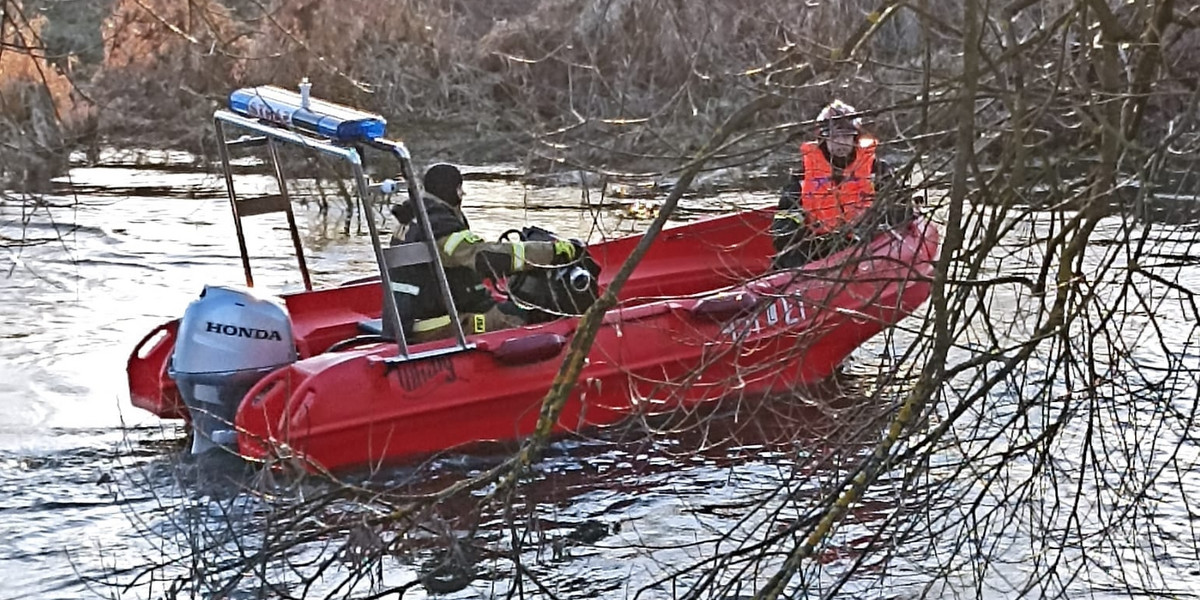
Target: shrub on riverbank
(41, 118)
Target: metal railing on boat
(271, 134)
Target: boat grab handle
(726, 306)
(529, 348)
(169, 327)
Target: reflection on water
(605, 513)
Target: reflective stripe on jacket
(418, 295)
(830, 205)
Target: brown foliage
(596, 82)
(166, 66)
(481, 69)
(39, 113)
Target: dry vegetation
(41, 116)
(587, 82)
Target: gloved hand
(403, 212)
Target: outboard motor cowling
(228, 339)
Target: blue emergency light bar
(284, 107)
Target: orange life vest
(830, 205)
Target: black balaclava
(443, 180)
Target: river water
(95, 506)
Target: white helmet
(838, 116)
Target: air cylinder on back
(229, 338)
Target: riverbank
(768, 176)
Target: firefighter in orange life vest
(833, 192)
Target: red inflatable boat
(702, 318)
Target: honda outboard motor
(228, 339)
